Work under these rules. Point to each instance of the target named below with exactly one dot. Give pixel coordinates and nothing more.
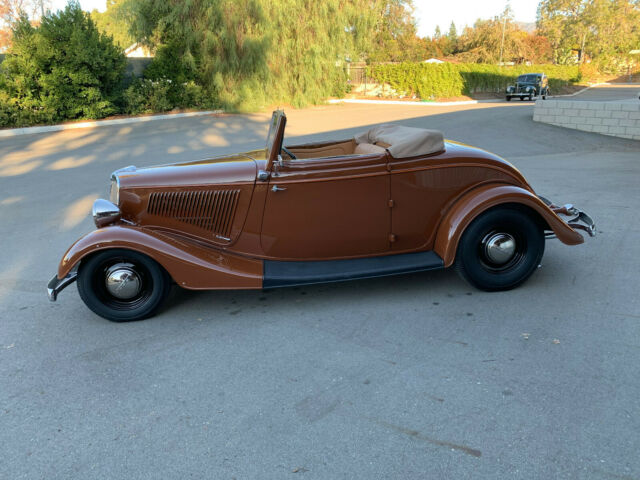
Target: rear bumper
(56, 285)
(578, 220)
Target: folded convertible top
(404, 141)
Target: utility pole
(504, 24)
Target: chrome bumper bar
(578, 221)
(56, 285)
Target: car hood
(227, 170)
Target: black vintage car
(528, 86)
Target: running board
(289, 274)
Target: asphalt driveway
(408, 377)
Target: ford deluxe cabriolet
(391, 200)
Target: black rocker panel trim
(288, 274)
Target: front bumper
(56, 285)
(579, 220)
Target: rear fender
(473, 203)
(190, 264)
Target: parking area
(409, 377)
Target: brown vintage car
(389, 201)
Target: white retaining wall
(619, 119)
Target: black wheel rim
(111, 301)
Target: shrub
(63, 69)
(146, 96)
(161, 95)
(429, 81)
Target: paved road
(609, 93)
(410, 377)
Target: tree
(249, 53)
(591, 28)
(537, 49)
(396, 38)
(62, 69)
(11, 10)
(115, 21)
(489, 40)
(450, 42)
(453, 33)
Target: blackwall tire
(122, 285)
(482, 256)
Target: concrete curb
(398, 102)
(14, 132)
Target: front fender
(190, 264)
(473, 203)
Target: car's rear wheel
(508, 98)
(122, 285)
(500, 249)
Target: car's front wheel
(122, 285)
(500, 249)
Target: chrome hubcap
(122, 281)
(499, 247)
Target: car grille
(523, 88)
(211, 210)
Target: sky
(429, 13)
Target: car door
(327, 208)
(422, 188)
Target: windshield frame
(277, 117)
(275, 136)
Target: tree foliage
(582, 29)
(115, 21)
(501, 37)
(62, 69)
(396, 34)
(249, 53)
(12, 10)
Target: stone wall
(619, 119)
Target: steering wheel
(288, 152)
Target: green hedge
(429, 80)
(62, 69)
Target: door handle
(276, 188)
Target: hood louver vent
(211, 210)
